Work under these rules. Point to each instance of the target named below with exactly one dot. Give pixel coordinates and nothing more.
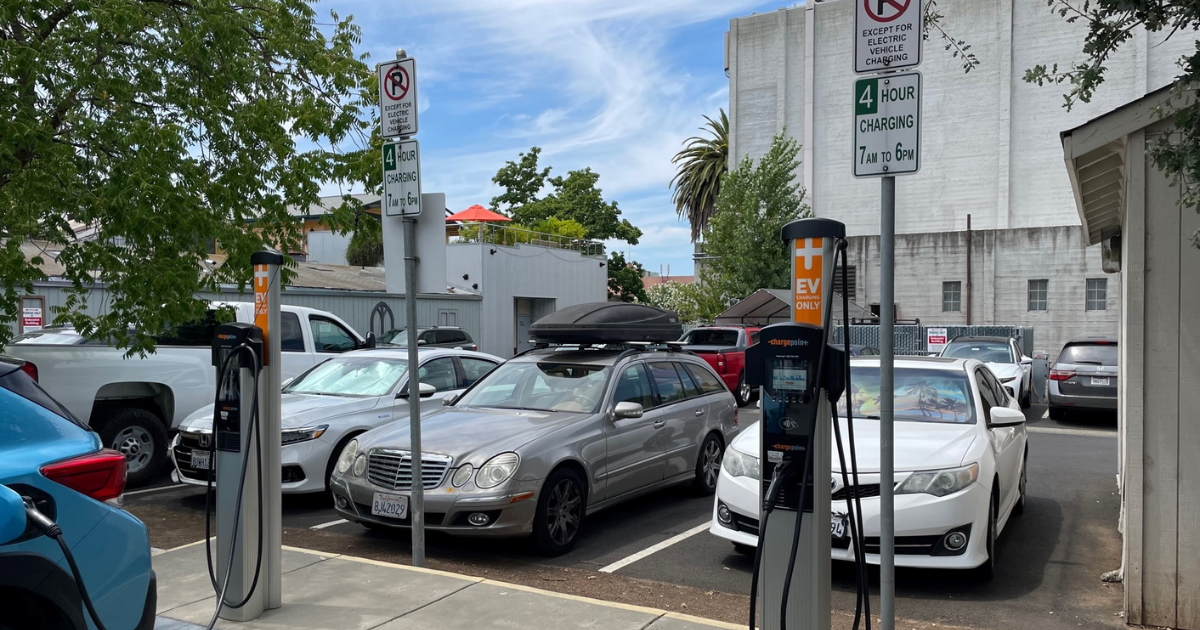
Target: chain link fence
(910, 339)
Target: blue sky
(614, 85)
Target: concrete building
(1131, 209)
(989, 152)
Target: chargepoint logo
(788, 343)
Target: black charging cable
(781, 475)
(51, 529)
(223, 588)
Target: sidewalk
(336, 592)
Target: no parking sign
(887, 35)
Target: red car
(724, 347)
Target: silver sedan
(544, 440)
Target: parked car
(436, 337)
(858, 350)
(329, 405)
(544, 440)
(1084, 377)
(724, 348)
(57, 461)
(135, 402)
(960, 466)
(1003, 357)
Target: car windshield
(710, 337)
(541, 386)
(986, 351)
(394, 337)
(921, 395)
(1090, 354)
(351, 376)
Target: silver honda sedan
(543, 441)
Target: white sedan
(331, 403)
(960, 466)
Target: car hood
(472, 434)
(297, 410)
(1005, 370)
(919, 445)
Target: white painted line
(1044, 416)
(1083, 432)
(329, 524)
(158, 489)
(624, 562)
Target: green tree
(700, 165)
(693, 302)
(162, 127)
(366, 245)
(625, 279)
(743, 237)
(574, 198)
(1111, 23)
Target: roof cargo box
(607, 322)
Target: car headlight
(1008, 380)
(462, 475)
(739, 464)
(347, 457)
(497, 470)
(940, 483)
(292, 436)
(360, 464)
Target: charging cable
(52, 530)
(778, 478)
(223, 588)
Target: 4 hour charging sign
(887, 125)
(402, 179)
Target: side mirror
(421, 342)
(627, 410)
(1026, 360)
(288, 381)
(1005, 417)
(12, 515)
(426, 390)
(448, 399)
(371, 341)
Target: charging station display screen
(789, 375)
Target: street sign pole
(417, 510)
(887, 418)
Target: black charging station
(230, 356)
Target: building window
(1097, 294)
(1037, 294)
(952, 296)
(851, 282)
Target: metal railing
(511, 236)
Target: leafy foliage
(574, 197)
(756, 201)
(366, 245)
(700, 165)
(625, 279)
(958, 48)
(693, 302)
(162, 127)
(1110, 24)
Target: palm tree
(700, 166)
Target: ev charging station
(800, 375)
(246, 441)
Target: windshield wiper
(1077, 362)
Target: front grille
(393, 469)
(189, 442)
(745, 523)
(905, 545)
(866, 490)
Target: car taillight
(1061, 375)
(100, 475)
(735, 415)
(720, 362)
(30, 369)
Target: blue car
(52, 459)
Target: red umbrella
(477, 213)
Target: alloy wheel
(137, 445)
(744, 391)
(712, 462)
(564, 512)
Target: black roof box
(607, 322)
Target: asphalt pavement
(654, 551)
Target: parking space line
(1045, 415)
(329, 524)
(171, 487)
(624, 562)
(1085, 432)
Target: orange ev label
(262, 282)
(809, 270)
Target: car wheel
(1019, 508)
(141, 437)
(1058, 413)
(1025, 398)
(744, 392)
(986, 571)
(708, 465)
(560, 511)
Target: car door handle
(700, 411)
(658, 424)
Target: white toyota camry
(333, 402)
(960, 466)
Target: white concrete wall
(328, 248)
(990, 143)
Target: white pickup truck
(135, 403)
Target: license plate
(1096, 380)
(201, 460)
(389, 505)
(837, 528)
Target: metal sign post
(402, 197)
